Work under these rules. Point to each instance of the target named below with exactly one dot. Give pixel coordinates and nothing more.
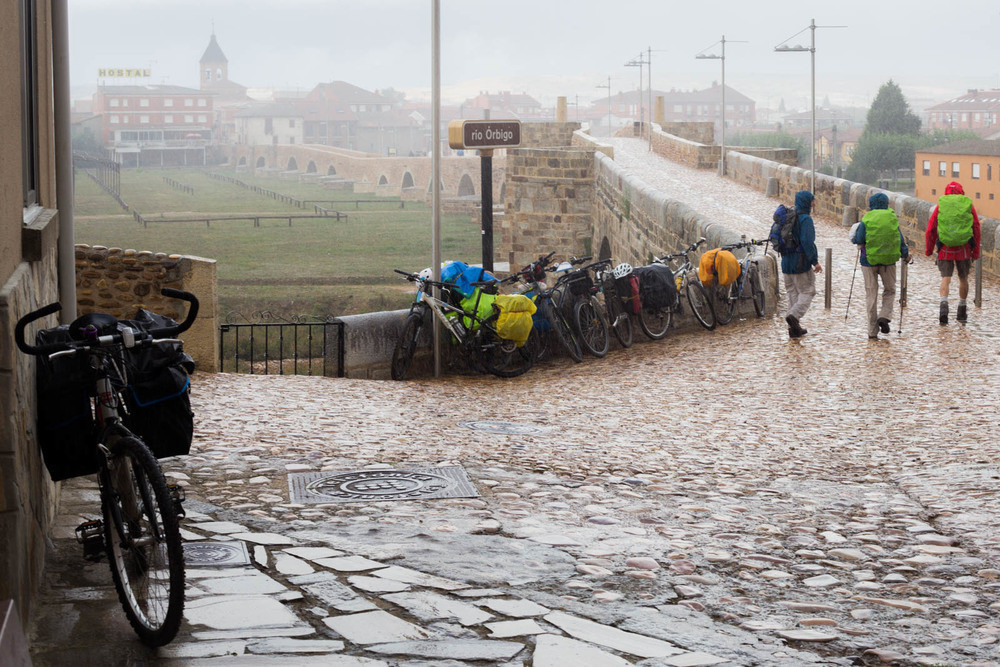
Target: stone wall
(548, 204)
(116, 281)
(547, 135)
(835, 197)
(28, 499)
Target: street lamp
(784, 48)
(639, 62)
(712, 56)
(608, 86)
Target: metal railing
(269, 344)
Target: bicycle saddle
(93, 324)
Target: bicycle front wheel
(402, 355)
(593, 327)
(700, 305)
(727, 298)
(757, 290)
(143, 542)
(561, 330)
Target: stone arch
(466, 187)
(261, 162)
(243, 161)
(330, 171)
(605, 249)
(292, 164)
(311, 167)
(407, 180)
(382, 180)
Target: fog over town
(550, 49)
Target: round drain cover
(378, 485)
(505, 428)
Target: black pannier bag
(657, 289)
(65, 415)
(157, 397)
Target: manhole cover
(215, 554)
(505, 428)
(383, 484)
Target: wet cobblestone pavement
(725, 497)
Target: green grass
(319, 266)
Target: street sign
(484, 133)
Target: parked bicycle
(581, 307)
(655, 322)
(140, 526)
(747, 286)
(617, 299)
(474, 335)
(549, 317)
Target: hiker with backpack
(794, 237)
(881, 246)
(953, 230)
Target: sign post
(485, 135)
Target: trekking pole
(851, 293)
(904, 279)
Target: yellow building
(975, 163)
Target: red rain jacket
(931, 236)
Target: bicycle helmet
(564, 266)
(426, 274)
(622, 270)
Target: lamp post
(608, 86)
(712, 56)
(784, 48)
(639, 62)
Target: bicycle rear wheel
(655, 322)
(143, 542)
(402, 355)
(756, 290)
(700, 305)
(593, 327)
(727, 297)
(502, 357)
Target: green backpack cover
(954, 220)
(881, 236)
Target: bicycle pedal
(177, 497)
(91, 535)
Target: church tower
(213, 71)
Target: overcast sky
(548, 48)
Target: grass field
(317, 266)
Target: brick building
(155, 125)
(977, 110)
(975, 163)
(679, 106)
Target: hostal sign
(484, 133)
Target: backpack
(784, 231)
(954, 221)
(881, 237)
(720, 265)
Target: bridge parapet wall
(834, 196)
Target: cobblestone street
(717, 497)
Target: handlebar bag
(515, 321)
(720, 265)
(157, 397)
(65, 418)
(657, 289)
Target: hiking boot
(883, 325)
(794, 328)
(961, 314)
(943, 318)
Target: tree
(890, 113)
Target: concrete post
(772, 187)
(560, 109)
(659, 110)
(827, 296)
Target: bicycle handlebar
(159, 332)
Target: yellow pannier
(514, 322)
(718, 266)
